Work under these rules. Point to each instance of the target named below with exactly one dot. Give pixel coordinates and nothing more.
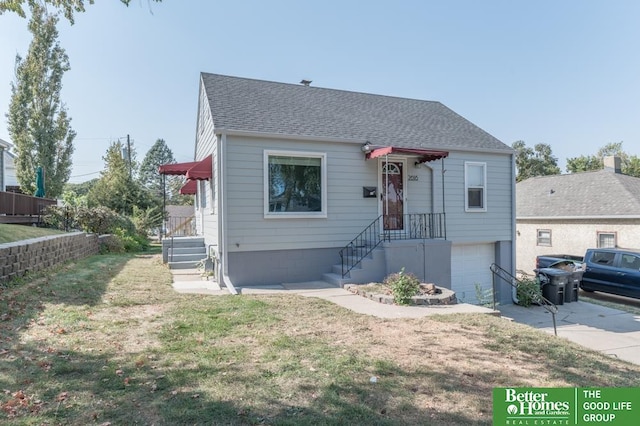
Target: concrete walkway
(610, 331)
(362, 305)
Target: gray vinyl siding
(496, 224)
(348, 213)
(206, 143)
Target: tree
(116, 188)
(157, 155)
(68, 7)
(37, 119)
(538, 161)
(629, 164)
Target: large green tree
(630, 164)
(536, 161)
(37, 119)
(157, 155)
(116, 188)
(68, 7)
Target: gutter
(514, 218)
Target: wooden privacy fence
(14, 204)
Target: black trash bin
(573, 286)
(553, 282)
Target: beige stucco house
(566, 214)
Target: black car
(612, 271)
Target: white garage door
(470, 266)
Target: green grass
(107, 341)
(11, 233)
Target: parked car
(612, 271)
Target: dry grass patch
(107, 341)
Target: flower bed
(428, 294)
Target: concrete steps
(370, 269)
(184, 252)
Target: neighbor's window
(475, 183)
(544, 237)
(295, 184)
(607, 240)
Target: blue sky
(564, 73)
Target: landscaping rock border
(446, 297)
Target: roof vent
(305, 82)
(613, 164)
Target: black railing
(537, 297)
(391, 227)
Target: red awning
(202, 170)
(176, 168)
(195, 170)
(189, 188)
(424, 154)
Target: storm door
(392, 195)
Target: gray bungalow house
(567, 214)
(308, 183)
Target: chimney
(612, 164)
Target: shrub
(528, 291)
(403, 286)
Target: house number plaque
(413, 178)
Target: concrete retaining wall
(37, 254)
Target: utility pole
(129, 155)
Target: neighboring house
(304, 181)
(567, 214)
(8, 179)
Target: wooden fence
(13, 204)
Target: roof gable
(250, 105)
(601, 193)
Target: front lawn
(108, 342)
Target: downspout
(443, 209)
(514, 296)
(222, 214)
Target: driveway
(610, 331)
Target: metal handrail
(538, 298)
(411, 226)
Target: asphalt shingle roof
(294, 109)
(586, 194)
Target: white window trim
(466, 187)
(323, 179)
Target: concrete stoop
(370, 269)
(184, 252)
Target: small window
(295, 184)
(607, 240)
(544, 237)
(202, 193)
(475, 183)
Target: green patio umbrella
(40, 183)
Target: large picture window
(295, 184)
(475, 183)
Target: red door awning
(176, 168)
(194, 170)
(424, 154)
(202, 170)
(189, 188)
